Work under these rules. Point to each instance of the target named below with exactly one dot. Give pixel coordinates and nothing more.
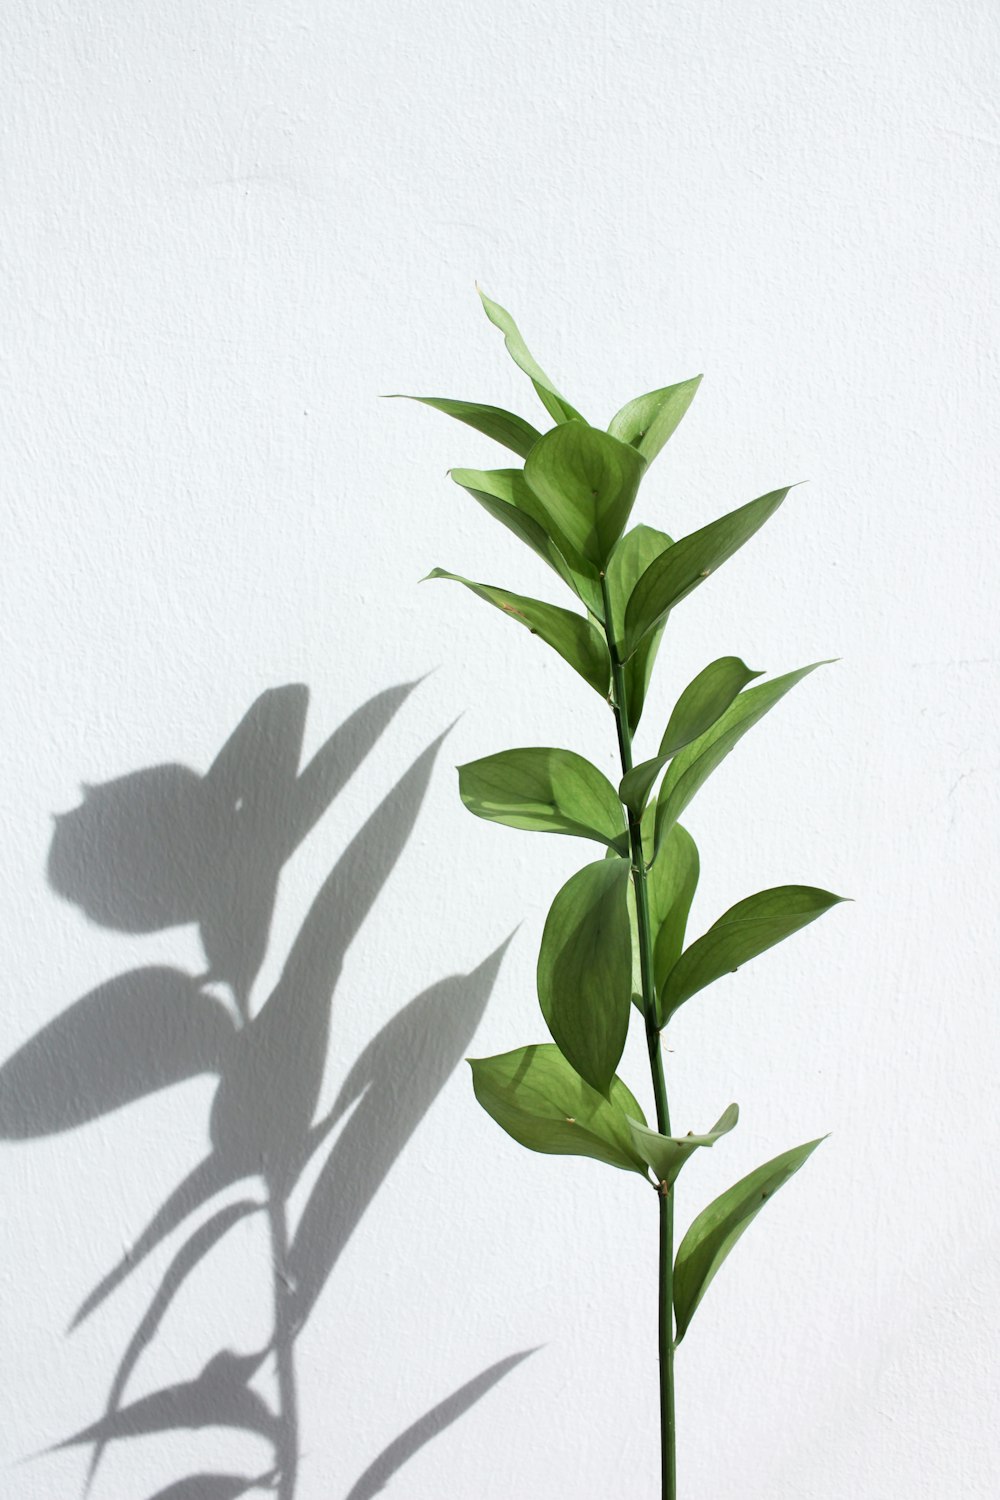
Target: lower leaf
(717, 1228)
(544, 1104)
(585, 969)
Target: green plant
(614, 937)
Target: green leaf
(717, 1228)
(585, 970)
(632, 555)
(638, 671)
(555, 404)
(670, 888)
(671, 884)
(536, 1096)
(505, 427)
(691, 768)
(703, 701)
(576, 639)
(587, 483)
(554, 791)
(746, 929)
(647, 422)
(505, 494)
(666, 1154)
(689, 562)
(503, 509)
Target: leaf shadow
(392, 1458)
(163, 847)
(395, 1080)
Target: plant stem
(665, 1317)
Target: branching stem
(619, 703)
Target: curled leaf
(555, 404)
(666, 1154)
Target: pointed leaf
(671, 884)
(556, 405)
(505, 494)
(553, 791)
(666, 1154)
(689, 562)
(631, 557)
(536, 1096)
(505, 427)
(648, 421)
(494, 491)
(587, 483)
(585, 970)
(748, 928)
(576, 639)
(717, 1228)
(639, 670)
(704, 700)
(691, 768)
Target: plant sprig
(614, 938)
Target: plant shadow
(165, 847)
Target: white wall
(227, 229)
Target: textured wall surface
(227, 229)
